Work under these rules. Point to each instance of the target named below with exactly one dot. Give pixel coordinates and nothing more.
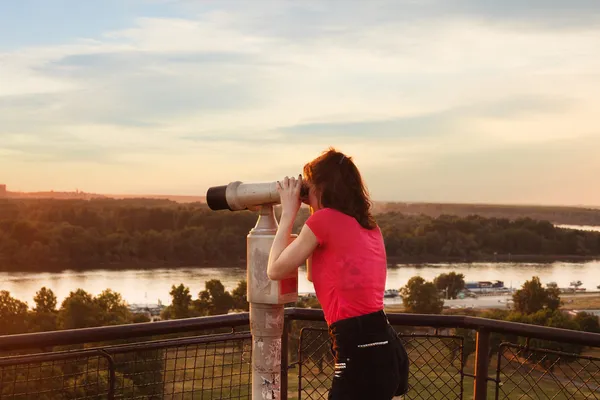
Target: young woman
(347, 264)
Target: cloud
(251, 89)
(437, 123)
(74, 64)
(546, 14)
(316, 21)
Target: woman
(347, 264)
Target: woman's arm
(309, 269)
(284, 258)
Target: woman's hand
(289, 193)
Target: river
(149, 286)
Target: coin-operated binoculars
(266, 297)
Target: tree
(63, 233)
(587, 322)
(181, 300)
(113, 308)
(239, 295)
(214, 300)
(13, 314)
(532, 297)
(138, 318)
(202, 305)
(451, 283)
(45, 301)
(419, 296)
(554, 319)
(79, 310)
(45, 315)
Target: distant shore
(500, 258)
(571, 302)
(392, 262)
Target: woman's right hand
(289, 194)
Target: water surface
(149, 286)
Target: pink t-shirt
(349, 266)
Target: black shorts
(370, 360)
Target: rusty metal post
(284, 358)
(482, 362)
(267, 299)
(266, 325)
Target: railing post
(267, 299)
(111, 374)
(284, 358)
(482, 363)
(266, 326)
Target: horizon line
(203, 197)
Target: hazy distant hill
(54, 195)
(568, 215)
(178, 199)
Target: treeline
(80, 309)
(58, 234)
(475, 237)
(533, 304)
(563, 215)
(139, 374)
(53, 235)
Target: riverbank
(122, 266)
(570, 302)
(392, 263)
(494, 258)
(150, 285)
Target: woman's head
(335, 182)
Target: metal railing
(186, 359)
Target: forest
(53, 235)
(562, 215)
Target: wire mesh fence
(209, 367)
(217, 365)
(436, 365)
(315, 364)
(74, 375)
(205, 368)
(531, 373)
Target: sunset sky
(436, 100)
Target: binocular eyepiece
(238, 196)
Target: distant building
(2, 190)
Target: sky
(435, 100)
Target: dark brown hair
(341, 186)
